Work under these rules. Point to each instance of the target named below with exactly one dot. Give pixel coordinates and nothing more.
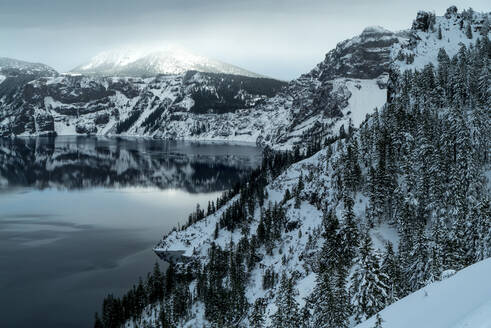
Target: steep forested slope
(330, 235)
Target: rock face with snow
(170, 60)
(68, 105)
(348, 84)
(15, 75)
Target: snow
(27, 67)
(140, 61)
(2, 78)
(384, 233)
(460, 301)
(426, 50)
(366, 95)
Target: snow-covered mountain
(14, 67)
(172, 60)
(459, 301)
(341, 90)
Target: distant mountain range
(172, 94)
(146, 63)
(9, 66)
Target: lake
(79, 217)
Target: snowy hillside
(150, 62)
(460, 301)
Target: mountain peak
(11, 66)
(141, 62)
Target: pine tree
(378, 321)
(98, 322)
(369, 291)
(349, 232)
(164, 319)
(391, 268)
(478, 234)
(298, 190)
(439, 238)
(440, 32)
(287, 314)
(421, 270)
(156, 285)
(330, 257)
(256, 318)
(331, 306)
(468, 31)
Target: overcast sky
(281, 38)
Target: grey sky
(281, 38)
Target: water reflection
(79, 216)
(82, 162)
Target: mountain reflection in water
(79, 217)
(82, 162)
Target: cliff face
(125, 106)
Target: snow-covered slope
(422, 43)
(295, 252)
(145, 63)
(460, 301)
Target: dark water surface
(79, 217)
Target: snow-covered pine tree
(439, 238)
(329, 299)
(390, 266)
(420, 271)
(468, 31)
(256, 318)
(287, 314)
(369, 291)
(349, 231)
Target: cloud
(282, 38)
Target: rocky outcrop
(366, 56)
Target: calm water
(79, 217)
